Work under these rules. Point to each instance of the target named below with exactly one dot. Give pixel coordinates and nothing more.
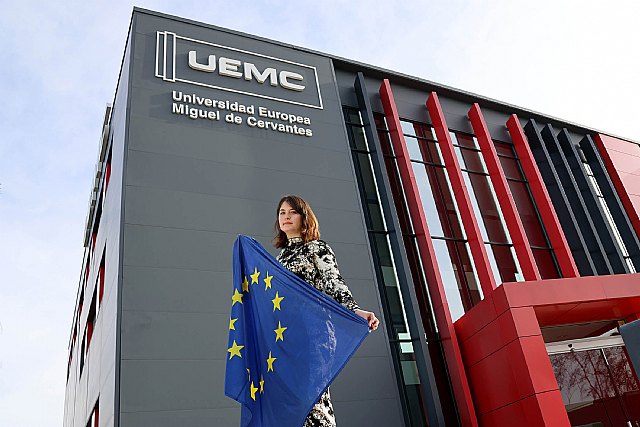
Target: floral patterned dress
(316, 264)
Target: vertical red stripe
(507, 205)
(430, 265)
(542, 199)
(474, 237)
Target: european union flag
(287, 340)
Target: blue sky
(576, 60)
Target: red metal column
(474, 237)
(542, 199)
(508, 206)
(429, 263)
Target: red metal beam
(450, 345)
(501, 187)
(474, 237)
(543, 201)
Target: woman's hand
(369, 317)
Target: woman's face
(290, 220)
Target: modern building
(498, 245)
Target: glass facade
(443, 218)
(439, 204)
(598, 386)
(448, 237)
(393, 301)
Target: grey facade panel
(166, 385)
(182, 418)
(195, 336)
(195, 211)
(193, 185)
(170, 289)
(379, 412)
(344, 389)
(266, 184)
(97, 381)
(236, 149)
(177, 248)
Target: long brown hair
(310, 229)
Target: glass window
(451, 278)
(404, 360)
(504, 149)
(546, 263)
(357, 138)
(486, 210)
(598, 386)
(511, 168)
(394, 300)
(382, 245)
(428, 201)
(464, 140)
(368, 182)
(385, 143)
(424, 131)
(376, 219)
(398, 195)
(445, 203)
(407, 128)
(352, 115)
(431, 152)
(458, 276)
(528, 214)
(502, 260)
(470, 160)
(413, 148)
(381, 121)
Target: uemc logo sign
(182, 59)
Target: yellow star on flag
(234, 350)
(232, 323)
(253, 391)
(237, 297)
(270, 361)
(276, 301)
(261, 384)
(245, 285)
(279, 332)
(255, 275)
(267, 281)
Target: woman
(310, 258)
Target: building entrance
(597, 381)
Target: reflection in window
(458, 276)
(598, 386)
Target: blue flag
(287, 340)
